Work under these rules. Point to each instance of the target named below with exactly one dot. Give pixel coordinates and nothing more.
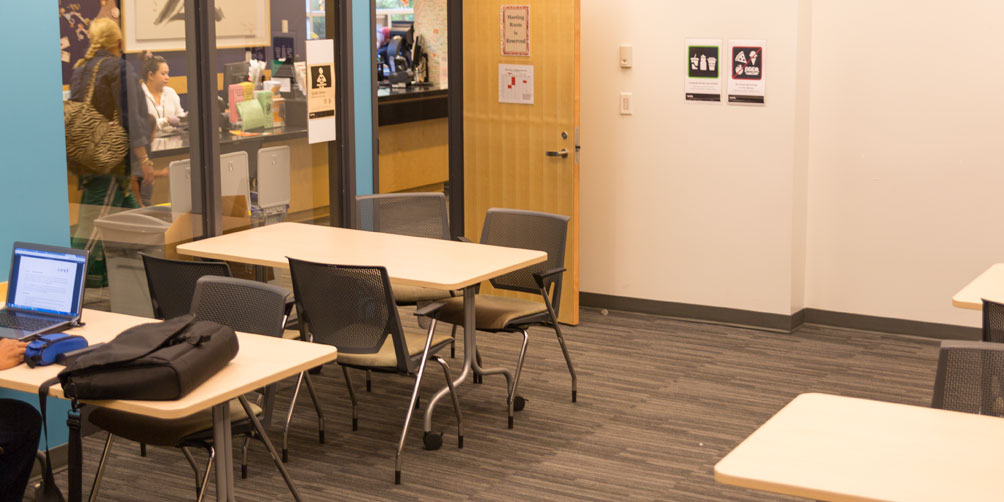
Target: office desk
(414, 261)
(989, 285)
(838, 448)
(260, 361)
(175, 144)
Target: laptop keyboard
(9, 320)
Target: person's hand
(11, 352)
(174, 121)
(148, 172)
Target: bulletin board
(159, 25)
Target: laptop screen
(46, 281)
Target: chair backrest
(993, 322)
(970, 378)
(172, 283)
(234, 176)
(180, 177)
(414, 214)
(528, 230)
(273, 176)
(247, 306)
(349, 307)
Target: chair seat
(493, 313)
(386, 358)
(410, 295)
(162, 432)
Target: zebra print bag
(94, 145)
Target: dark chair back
(414, 214)
(528, 230)
(243, 305)
(172, 283)
(349, 307)
(993, 322)
(970, 378)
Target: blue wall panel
(362, 69)
(33, 199)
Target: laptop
(45, 292)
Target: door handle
(563, 153)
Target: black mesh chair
(970, 378)
(172, 283)
(246, 306)
(353, 309)
(497, 314)
(416, 214)
(993, 322)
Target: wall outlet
(626, 56)
(626, 103)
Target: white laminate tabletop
(989, 285)
(415, 261)
(260, 360)
(827, 447)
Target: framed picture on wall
(159, 25)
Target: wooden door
(505, 144)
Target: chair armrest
(430, 309)
(539, 277)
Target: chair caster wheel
(397, 477)
(320, 437)
(519, 403)
(460, 442)
(433, 440)
(285, 455)
(573, 396)
(244, 472)
(510, 422)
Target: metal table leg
(470, 346)
(224, 452)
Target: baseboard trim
(718, 315)
(779, 322)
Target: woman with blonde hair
(116, 91)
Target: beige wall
(688, 202)
(906, 171)
(867, 184)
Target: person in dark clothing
(20, 426)
(117, 90)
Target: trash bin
(124, 236)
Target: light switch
(626, 104)
(285, 25)
(627, 58)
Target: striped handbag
(94, 145)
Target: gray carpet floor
(660, 402)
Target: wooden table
(260, 361)
(838, 448)
(414, 261)
(989, 285)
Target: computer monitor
(234, 73)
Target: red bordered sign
(514, 30)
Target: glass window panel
(144, 202)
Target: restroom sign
(515, 30)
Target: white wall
(868, 184)
(906, 171)
(687, 202)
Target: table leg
(223, 443)
(470, 346)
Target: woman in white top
(162, 101)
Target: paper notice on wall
(747, 83)
(516, 84)
(515, 30)
(703, 81)
(320, 90)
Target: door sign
(515, 30)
